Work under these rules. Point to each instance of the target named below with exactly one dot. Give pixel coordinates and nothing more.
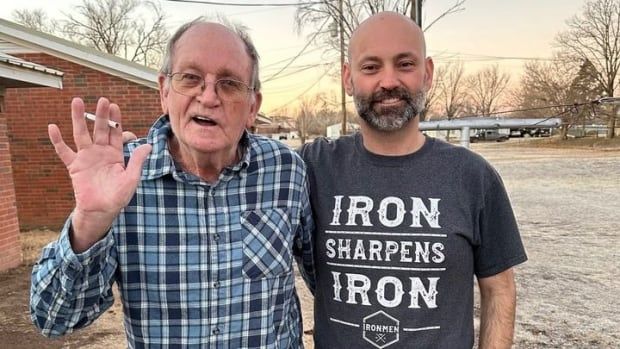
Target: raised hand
(102, 184)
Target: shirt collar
(160, 162)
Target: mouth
(203, 120)
(389, 101)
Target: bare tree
(305, 114)
(555, 83)
(594, 35)
(486, 88)
(451, 90)
(120, 27)
(35, 19)
(326, 17)
(313, 116)
(151, 37)
(544, 84)
(433, 95)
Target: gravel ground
(567, 203)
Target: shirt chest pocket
(267, 243)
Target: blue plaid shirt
(197, 265)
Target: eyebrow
(406, 55)
(369, 58)
(227, 73)
(220, 73)
(397, 57)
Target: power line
(299, 70)
(229, 14)
(602, 100)
(245, 4)
(300, 52)
(490, 59)
(303, 93)
(288, 85)
(478, 57)
(289, 58)
(301, 66)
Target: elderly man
(405, 222)
(197, 223)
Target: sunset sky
(487, 32)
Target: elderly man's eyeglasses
(193, 85)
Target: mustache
(399, 92)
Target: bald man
(404, 221)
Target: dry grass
(598, 143)
(33, 241)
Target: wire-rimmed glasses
(193, 85)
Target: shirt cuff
(73, 263)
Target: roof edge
(76, 53)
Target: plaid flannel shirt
(197, 265)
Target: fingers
(129, 136)
(134, 166)
(65, 153)
(101, 132)
(81, 137)
(116, 134)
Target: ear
(429, 68)
(254, 108)
(347, 79)
(164, 89)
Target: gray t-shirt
(399, 240)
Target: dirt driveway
(568, 206)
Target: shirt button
(216, 284)
(216, 331)
(216, 237)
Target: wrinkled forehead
(214, 47)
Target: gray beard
(390, 118)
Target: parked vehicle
(489, 136)
(542, 132)
(530, 132)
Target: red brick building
(14, 74)
(42, 188)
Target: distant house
(261, 121)
(42, 188)
(279, 128)
(15, 73)
(334, 131)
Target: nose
(208, 95)
(389, 79)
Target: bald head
(388, 73)
(378, 27)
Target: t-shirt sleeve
(500, 246)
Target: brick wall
(42, 186)
(10, 247)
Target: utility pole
(342, 93)
(416, 11)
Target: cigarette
(92, 117)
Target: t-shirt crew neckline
(391, 160)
